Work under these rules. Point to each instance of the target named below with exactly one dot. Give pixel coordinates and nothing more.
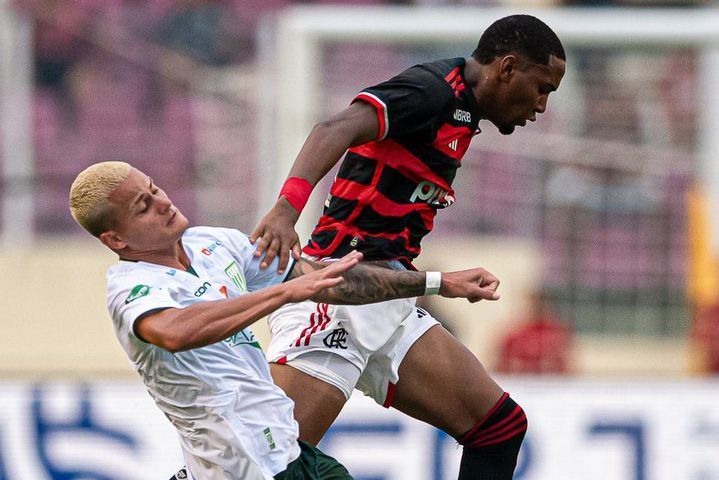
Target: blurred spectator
(60, 30)
(206, 31)
(540, 344)
(706, 339)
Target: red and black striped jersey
(387, 192)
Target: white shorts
(359, 346)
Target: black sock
(491, 447)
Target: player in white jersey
(182, 300)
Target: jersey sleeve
(408, 103)
(129, 300)
(244, 252)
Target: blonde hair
(90, 192)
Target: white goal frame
(292, 57)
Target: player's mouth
(172, 217)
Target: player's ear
(112, 240)
(508, 66)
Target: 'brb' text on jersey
(387, 192)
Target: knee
(501, 431)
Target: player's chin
(507, 129)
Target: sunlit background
(601, 219)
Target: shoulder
(214, 234)
(444, 69)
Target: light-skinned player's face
(524, 91)
(146, 219)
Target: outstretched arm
(370, 282)
(204, 323)
(328, 141)
(344, 281)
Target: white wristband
(433, 282)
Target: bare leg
(317, 403)
(442, 383)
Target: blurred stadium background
(600, 219)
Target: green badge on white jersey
(233, 271)
(138, 291)
(268, 437)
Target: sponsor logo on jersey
(233, 271)
(203, 288)
(428, 192)
(453, 145)
(172, 272)
(211, 248)
(244, 337)
(138, 291)
(462, 116)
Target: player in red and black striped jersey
(387, 191)
(405, 139)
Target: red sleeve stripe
(451, 75)
(381, 108)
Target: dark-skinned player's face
(523, 91)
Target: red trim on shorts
(282, 361)
(297, 342)
(389, 399)
(318, 321)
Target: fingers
(257, 233)
(264, 241)
(270, 254)
(483, 294)
(328, 283)
(296, 251)
(343, 264)
(284, 260)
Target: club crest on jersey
(462, 116)
(430, 193)
(233, 271)
(211, 248)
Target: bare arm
(367, 282)
(204, 323)
(328, 141)
(370, 282)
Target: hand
(310, 284)
(276, 232)
(474, 285)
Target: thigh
(317, 403)
(442, 383)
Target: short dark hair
(522, 34)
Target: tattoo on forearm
(369, 282)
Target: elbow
(172, 343)
(173, 347)
(324, 127)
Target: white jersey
(233, 421)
